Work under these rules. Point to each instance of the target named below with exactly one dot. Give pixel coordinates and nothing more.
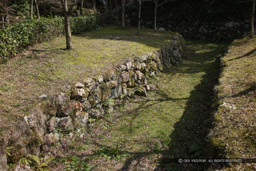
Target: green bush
(19, 36)
(83, 23)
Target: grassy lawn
(47, 68)
(173, 121)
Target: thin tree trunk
(116, 3)
(252, 19)
(67, 24)
(107, 5)
(138, 32)
(7, 18)
(37, 10)
(94, 5)
(110, 4)
(123, 13)
(155, 17)
(31, 9)
(2, 21)
(81, 9)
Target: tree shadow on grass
(248, 54)
(190, 136)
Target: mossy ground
(47, 68)
(172, 121)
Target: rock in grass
(43, 96)
(123, 67)
(139, 74)
(52, 124)
(100, 79)
(66, 124)
(152, 87)
(49, 108)
(86, 105)
(79, 85)
(51, 138)
(95, 95)
(79, 93)
(88, 82)
(130, 92)
(96, 112)
(117, 92)
(105, 91)
(109, 75)
(129, 65)
(37, 121)
(125, 77)
(81, 120)
(73, 108)
(111, 84)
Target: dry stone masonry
(57, 119)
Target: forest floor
(171, 122)
(47, 68)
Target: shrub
(19, 36)
(84, 23)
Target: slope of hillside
(235, 119)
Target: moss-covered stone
(108, 75)
(125, 77)
(48, 108)
(131, 82)
(105, 91)
(130, 92)
(153, 66)
(111, 84)
(140, 90)
(81, 120)
(79, 93)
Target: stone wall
(57, 118)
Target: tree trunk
(94, 5)
(67, 24)
(252, 19)
(31, 9)
(107, 5)
(138, 32)
(81, 9)
(110, 4)
(116, 3)
(37, 10)
(2, 21)
(155, 16)
(123, 13)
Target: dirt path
(172, 122)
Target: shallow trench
(144, 133)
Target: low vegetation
(17, 37)
(47, 68)
(172, 121)
(235, 127)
